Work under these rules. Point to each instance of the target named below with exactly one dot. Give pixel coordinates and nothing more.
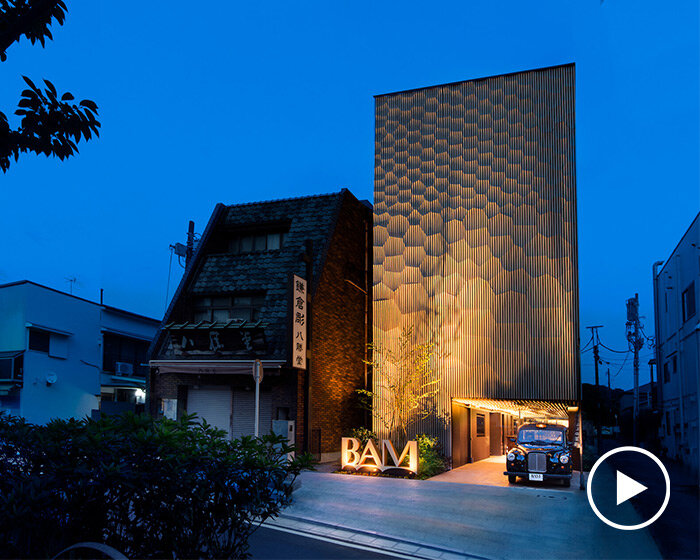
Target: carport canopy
(525, 409)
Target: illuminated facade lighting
(475, 243)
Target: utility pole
(636, 342)
(596, 357)
(190, 244)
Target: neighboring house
(677, 321)
(63, 356)
(235, 305)
(476, 248)
(646, 399)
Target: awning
(220, 367)
(121, 382)
(216, 325)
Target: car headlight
(563, 459)
(511, 456)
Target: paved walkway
(464, 519)
(489, 472)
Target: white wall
(77, 388)
(680, 339)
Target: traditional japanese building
(475, 248)
(284, 282)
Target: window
(480, 425)
(261, 241)
(120, 349)
(540, 436)
(242, 307)
(39, 340)
(6, 368)
(689, 302)
(11, 366)
(667, 377)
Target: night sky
(240, 103)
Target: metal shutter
(213, 404)
(244, 413)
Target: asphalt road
(269, 544)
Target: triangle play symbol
(627, 488)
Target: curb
(374, 541)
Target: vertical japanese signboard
(299, 322)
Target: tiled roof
(309, 218)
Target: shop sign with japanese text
(299, 322)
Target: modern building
(677, 326)
(63, 356)
(285, 283)
(475, 248)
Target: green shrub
(430, 460)
(364, 435)
(148, 487)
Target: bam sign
(350, 455)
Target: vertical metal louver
(475, 240)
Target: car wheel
(566, 482)
(512, 479)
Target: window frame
(480, 416)
(687, 298)
(254, 241)
(33, 333)
(138, 356)
(254, 308)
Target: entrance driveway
(484, 521)
(489, 472)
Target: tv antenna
(72, 280)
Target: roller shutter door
(244, 413)
(213, 404)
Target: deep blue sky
(242, 102)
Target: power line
(587, 343)
(617, 351)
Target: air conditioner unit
(285, 428)
(124, 368)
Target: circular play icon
(630, 474)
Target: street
(271, 544)
(486, 521)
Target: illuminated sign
(299, 321)
(350, 455)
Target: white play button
(627, 488)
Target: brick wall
(338, 344)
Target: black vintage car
(541, 452)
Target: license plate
(536, 477)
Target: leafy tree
(50, 124)
(405, 383)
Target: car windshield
(540, 436)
